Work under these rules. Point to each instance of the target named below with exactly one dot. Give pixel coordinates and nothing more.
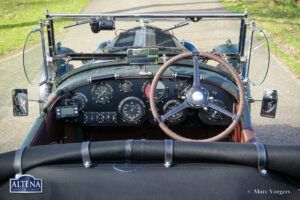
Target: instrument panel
(126, 102)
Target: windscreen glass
(205, 35)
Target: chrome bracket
(85, 154)
(117, 76)
(168, 153)
(262, 158)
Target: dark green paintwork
(32, 131)
(82, 75)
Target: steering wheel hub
(197, 98)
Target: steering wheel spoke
(196, 82)
(179, 108)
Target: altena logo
(25, 184)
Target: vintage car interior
(146, 116)
(109, 100)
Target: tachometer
(79, 99)
(102, 93)
(177, 117)
(160, 92)
(132, 109)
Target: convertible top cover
(134, 169)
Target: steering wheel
(197, 97)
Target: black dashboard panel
(124, 102)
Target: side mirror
(269, 103)
(20, 102)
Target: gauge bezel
(177, 120)
(123, 116)
(100, 101)
(81, 95)
(125, 82)
(178, 87)
(205, 115)
(164, 96)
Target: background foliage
(18, 17)
(280, 19)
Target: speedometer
(160, 92)
(102, 93)
(132, 109)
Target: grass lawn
(18, 17)
(280, 20)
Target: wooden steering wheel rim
(237, 80)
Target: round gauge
(132, 109)
(102, 93)
(177, 117)
(182, 87)
(78, 99)
(160, 92)
(212, 114)
(125, 86)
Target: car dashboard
(125, 102)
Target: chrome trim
(168, 153)
(148, 15)
(85, 154)
(262, 158)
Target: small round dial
(212, 114)
(160, 92)
(78, 99)
(132, 109)
(102, 93)
(177, 117)
(182, 87)
(125, 86)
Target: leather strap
(168, 153)
(85, 154)
(17, 164)
(262, 158)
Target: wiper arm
(78, 23)
(176, 26)
(177, 49)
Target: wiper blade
(168, 48)
(176, 26)
(115, 49)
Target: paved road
(284, 129)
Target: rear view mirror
(269, 103)
(20, 102)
